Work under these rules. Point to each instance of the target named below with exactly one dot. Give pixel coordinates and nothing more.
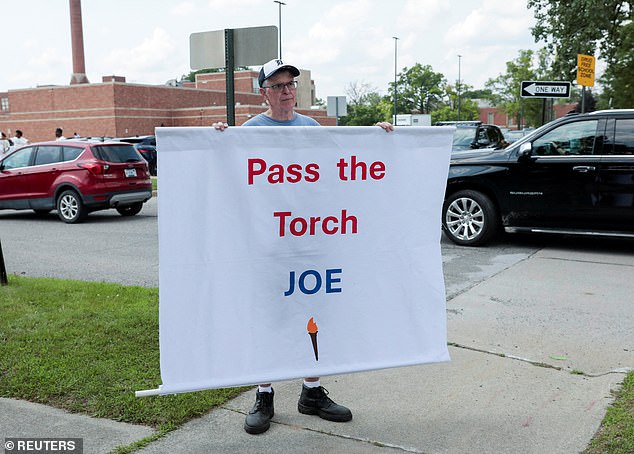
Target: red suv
(75, 178)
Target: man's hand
(220, 126)
(386, 125)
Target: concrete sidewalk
(536, 351)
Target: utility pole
(395, 66)
(280, 23)
(459, 57)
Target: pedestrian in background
(59, 134)
(5, 144)
(19, 139)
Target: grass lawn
(616, 434)
(87, 347)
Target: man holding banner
(298, 252)
(278, 88)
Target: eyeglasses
(292, 85)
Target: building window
(490, 118)
(4, 104)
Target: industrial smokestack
(77, 36)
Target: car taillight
(95, 168)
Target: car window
(71, 153)
(512, 136)
(463, 137)
(117, 153)
(568, 139)
(47, 154)
(623, 138)
(20, 158)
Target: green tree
(593, 28)
(448, 111)
(618, 79)
(420, 89)
(320, 102)
(506, 87)
(366, 106)
(483, 93)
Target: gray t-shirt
(298, 120)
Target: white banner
(290, 252)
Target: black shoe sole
(328, 417)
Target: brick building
(495, 116)
(114, 108)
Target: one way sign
(542, 89)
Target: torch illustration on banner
(312, 331)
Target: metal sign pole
(3, 269)
(229, 68)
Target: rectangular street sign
(337, 106)
(252, 46)
(545, 89)
(585, 70)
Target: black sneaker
(315, 401)
(259, 418)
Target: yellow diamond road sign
(585, 70)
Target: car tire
(70, 207)
(130, 210)
(469, 218)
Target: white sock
(265, 389)
(312, 384)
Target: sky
(342, 42)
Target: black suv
(471, 135)
(146, 145)
(574, 175)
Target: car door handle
(583, 169)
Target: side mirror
(526, 150)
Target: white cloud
(148, 59)
(223, 6)
(417, 14)
(333, 31)
(183, 9)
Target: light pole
(459, 57)
(280, 22)
(395, 92)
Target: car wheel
(70, 208)
(469, 218)
(130, 210)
